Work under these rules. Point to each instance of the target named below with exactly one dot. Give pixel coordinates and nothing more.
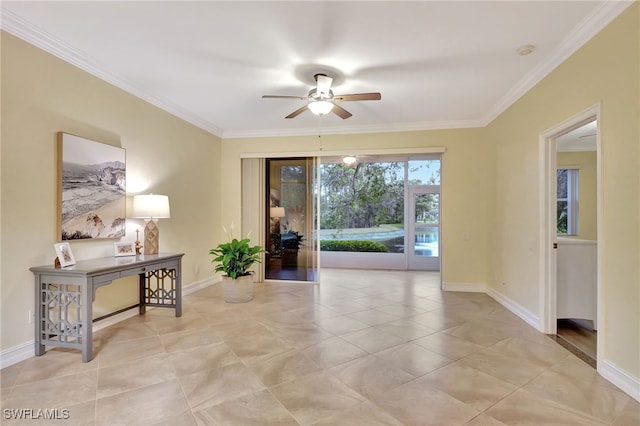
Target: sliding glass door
(424, 228)
(290, 215)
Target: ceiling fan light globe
(320, 107)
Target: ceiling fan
(322, 100)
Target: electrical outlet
(30, 317)
(196, 269)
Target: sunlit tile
(283, 367)
(134, 374)
(417, 403)
(188, 339)
(405, 329)
(200, 358)
(413, 359)
(504, 367)
(334, 351)
(212, 387)
(372, 339)
(603, 403)
(259, 408)
(365, 413)
(525, 408)
(53, 393)
(447, 345)
(340, 324)
(373, 317)
(149, 404)
(370, 375)
(468, 385)
(314, 397)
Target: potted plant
(234, 259)
(291, 242)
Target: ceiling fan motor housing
(315, 96)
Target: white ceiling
(584, 138)
(438, 64)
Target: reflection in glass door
(290, 230)
(424, 228)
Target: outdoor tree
(362, 196)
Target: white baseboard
(17, 353)
(199, 285)
(465, 287)
(620, 378)
(529, 317)
(26, 350)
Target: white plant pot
(238, 290)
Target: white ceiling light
(349, 160)
(320, 107)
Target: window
(424, 172)
(362, 206)
(567, 210)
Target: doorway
(571, 245)
(423, 234)
(290, 234)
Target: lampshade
(277, 212)
(151, 206)
(320, 107)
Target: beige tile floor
(363, 348)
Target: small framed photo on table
(65, 255)
(124, 249)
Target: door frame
(413, 261)
(548, 225)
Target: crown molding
(350, 130)
(581, 34)
(24, 30)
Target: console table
(65, 296)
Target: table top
(106, 264)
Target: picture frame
(65, 255)
(124, 249)
(91, 189)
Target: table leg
(39, 327)
(142, 285)
(178, 284)
(86, 328)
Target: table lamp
(151, 207)
(277, 213)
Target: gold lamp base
(151, 236)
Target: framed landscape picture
(92, 183)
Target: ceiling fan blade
(341, 112)
(297, 112)
(302, 98)
(324, 85)
(358, 97)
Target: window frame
(572, 199)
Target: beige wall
(466, 168)
(585, 162)
(42, 95)
(605, 70)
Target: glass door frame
(302, 260)
(416, 262)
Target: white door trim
(547, 237)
